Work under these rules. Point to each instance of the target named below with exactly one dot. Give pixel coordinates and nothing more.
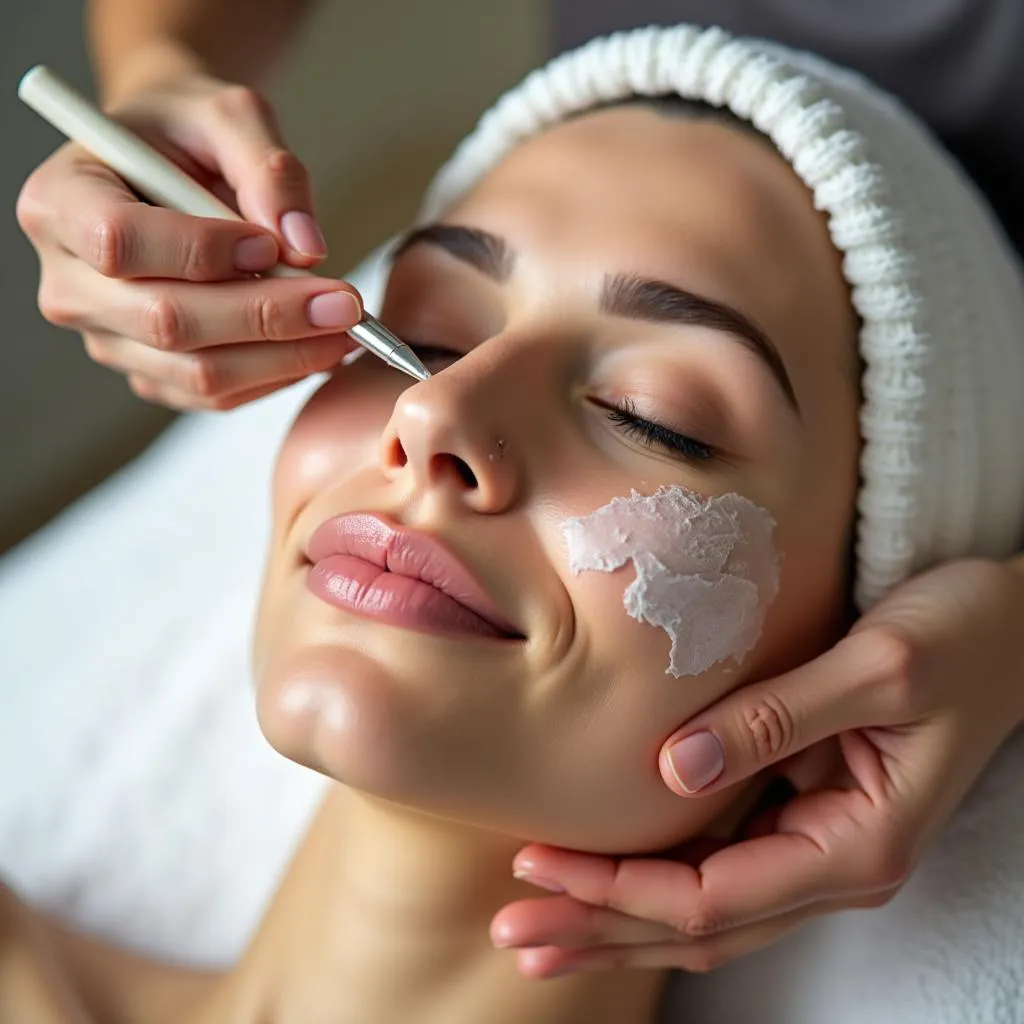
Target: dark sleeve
(959, 64)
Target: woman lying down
(712, 328)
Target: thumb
(758, 725)
(271, 184)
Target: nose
(453, 433)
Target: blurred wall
(373, 96)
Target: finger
(693, 955)
(758, 725)
(560, 870)
(554, 962)
(271, 184)
(87, 210)
(656, 890)
(566, 922)
(834, 845)
(173, 398)
(817, 767)
(550, 962)
(828, 845)
(174, 316)
(222, 370)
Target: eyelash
(651, 434)
(428, 353)
(623, 414)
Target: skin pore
(621, 270)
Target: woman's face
(551, 731)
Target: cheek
(815, 538)
(599, 725)
(705, 568)
(597, 772)
(810, 613)
(611, 703)
(606, 630)
(338, 430)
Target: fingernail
(256, 253)
(333, 309)
(541, 883)
(303, 234)
(697, 760)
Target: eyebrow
(624, 295)
(490, 254)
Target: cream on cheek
(706, 568)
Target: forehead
(698, 203)
(632, 178)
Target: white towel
(138, 798)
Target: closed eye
(623, 414)
(656, 435)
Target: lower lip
(359, 586)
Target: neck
(383, 916)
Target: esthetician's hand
(170, 300)
(881, 737)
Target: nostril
(467, 474)
(397, 453)
(448, 463)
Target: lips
(366, 564)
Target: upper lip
(407, 552)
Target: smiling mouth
(368, 565)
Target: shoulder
(35, 983)
(51, 974)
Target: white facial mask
(706, 569)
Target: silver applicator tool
(164, 183)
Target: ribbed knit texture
(938, 289)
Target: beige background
(373, 96)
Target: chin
(339, 712)
(353, 712)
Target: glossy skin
(568, 722)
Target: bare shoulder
(34, 984)
(50, 973)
